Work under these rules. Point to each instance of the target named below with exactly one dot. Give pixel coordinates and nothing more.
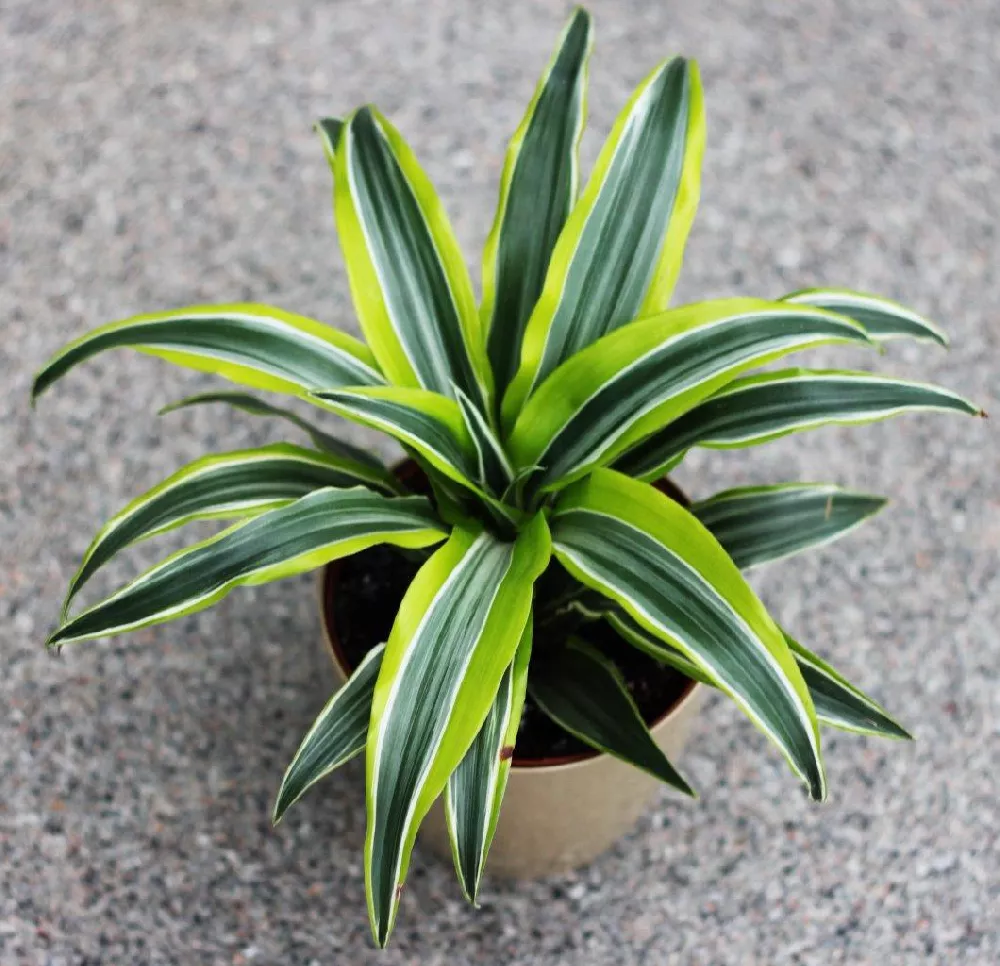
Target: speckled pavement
(153, 155)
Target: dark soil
(368, 590)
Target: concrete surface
(160, 154)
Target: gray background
(161, 154)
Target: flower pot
(558, 814)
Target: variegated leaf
(620, 252)
(336, 736)
(839, 703)
(476, 787)
(456, 633)
(255, 345)
(378, 476)
(650, 555)
(409, 282)
(581, 690)
(232, 485)
(766, 406)
(882, 318)
(640, 378)
(494, 470)
(432, 427)
(328, 129)
(428, 423)
(758, 524)
(312, 531)
(537, 189)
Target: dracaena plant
(540, 417)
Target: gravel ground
(160, 154)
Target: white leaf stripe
(257, 345)
(581, 690)
(366, 465)
(609, 252)
(635, 380)
(537, 189)
(882, 318)
(237, 484)
(410, 285)
(335, 737)
(760, 408)
(312, 531)
(761, 524)
(657, 581)
(457, 630)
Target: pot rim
(327, 582)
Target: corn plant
(540, 417)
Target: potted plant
(526, 604)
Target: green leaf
(410, 285)
(255, 345)
(424, 421)
(494, 470)
(640, 378)
(643, 550)
(238, 484)
(594, 606)
(475, 789)
(336, 736)
(312, 531)
(839, 703)
(456, 633)
(881, 318)
(377, 476)
(537, 189)
(581, 690)
(758, 524)
(328, 129)
(636, 635)
(763, 407)
(619, 255)
(431, 426)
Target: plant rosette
(544, 558)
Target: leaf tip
(280, 807)
(818, 790)
(38, 386)
(877, 504)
